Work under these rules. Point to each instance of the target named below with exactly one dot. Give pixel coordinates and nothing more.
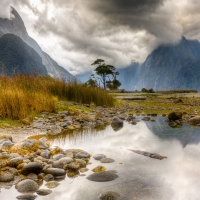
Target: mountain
(18, 57)
(16, 26)
(174, 66)
(168, 67)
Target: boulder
(99, 156)
(27, 186)
(32, 167)
(82, 154)
(194, 120)
(103, 176)
(107, 160)
(43, 192)
(110, 195)
(27, 197)
(175, 116)
(56, 172)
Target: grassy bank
(20, 95)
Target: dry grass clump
(22, 94)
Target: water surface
(140, 177)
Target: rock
(6, 137)
(6, 176)
(99, 156)
(172, 124)
(15, 161)
(43, 192)
(56, 172)
(107, 160)
(46, 154)
(81, 162)
(55, 130)
(194, 120)
(52, 184)
(82, 154)
(102, 176)
(6, 145)
(99, 169)
(32, 176)
(110, 195)
(58, 156)
(82, 170)
(175, 116)
(48, 177)
(27, 186)
(63, 161)
(117, 123)
(146, 118)
(73, 166)
(32, 167)
(26, 197)
(26, 121)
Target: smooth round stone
(6, 176)
(43, 192)
(103, 176)
(52, 184)
(27, 186)
(32, 167)
(73, 166)
(81, 162)
(46, 154)
(109, 196)
(15, 161)
(107, 160)
(82, 154)
(48, 177)
(58, 156)
(63, 161)
(26, 197)
(99, 156)
(56, 171)
(6, 145)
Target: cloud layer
(75, 33)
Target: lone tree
(106, 74)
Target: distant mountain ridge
(174, 66)
(16, 26)
(17, 57)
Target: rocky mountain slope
(16, 26)
(17, 57)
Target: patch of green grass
(9, 123)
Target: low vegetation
(22, 94)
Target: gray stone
(58, 156)
(56, 172)
(46, 154)
(55, 130)
(107, 160)
(26, 197)
(15, 161)
(32, 167)
(63, 161)
(27, 186)
(103, 176)
(43, 192)
(117, 122)
(99, 156)
(32, 176)
(194, 120)
(110, 195)
(82, 154)
(6, 176)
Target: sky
(77, 32)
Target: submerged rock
(103, 176)
(117, 123)
(43, 192)
(107, 160)
(110, 195)
(99, 169)
(27, 197)
(99, 156)
(52, 184)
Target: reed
(22, 94)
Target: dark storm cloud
(119, 31)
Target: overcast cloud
(76, 32)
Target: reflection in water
(140, 177)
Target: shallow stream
(140, 177)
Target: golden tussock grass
(22, 94)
